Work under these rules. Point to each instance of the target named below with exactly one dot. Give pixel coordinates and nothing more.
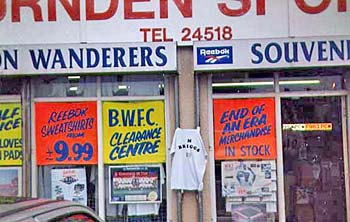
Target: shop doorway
(313, 159)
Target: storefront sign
(248, 178)
(135, 184)
(244, 129)
(87, 58)
(66, 133)
(133, 132)
(45, 21)
(10, 134)
(272, 53)
(10, 181)
(69, 184)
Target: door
(313, 159)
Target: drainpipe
(200, 193)
(177, 124)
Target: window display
(313, 159)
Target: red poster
(66, 133)
(244, 129)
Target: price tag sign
(66, 133)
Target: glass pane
(243, 82)
(312, 79)
(133, 85)
(74, 187)
(135, 212)
(10, 86)
(313, 159)
(63, 86)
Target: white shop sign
(88, 58)
(272, 53)
(182, 21)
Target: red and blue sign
(66, 133)
(214, 55)
(244, 129)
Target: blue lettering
(128, 117)
(148, 117)
(52, 117)
(294, 52)
(140, 117)
(113, 117)
(161, 55)
(10, 124)
(322, 50)
(254, 121)
(106, 57)
(231, 127)
(146, 53)
(257, 53)
(229, 151)
(115, 139)
(334, 48)
(119, 54)
(268, 52)
(113, 155)
(254, 150)
(133, 57)
(58, 58)
(41, 59)
(74, 56)
(142, 148)
(92, 54)
(8, 58)
(223, 117)
(307, 53)
(5, 113)
(11, 143)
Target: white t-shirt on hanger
(189, 160)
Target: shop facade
(278, 131)
(53, 126)
(91, 94)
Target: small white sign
(69, 184)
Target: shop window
(134, 154)
(312, 79)
(133, 85)
(137, 195)
(243, 82)
(65, 86)
(71, 182)
(245, 159)
(11, 148)
(313, 161)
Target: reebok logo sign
(214, 55)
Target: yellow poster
(10, 134)
(133, 132)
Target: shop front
(93, 122)
(280, 135)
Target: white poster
(248, 178)
(69, 184)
